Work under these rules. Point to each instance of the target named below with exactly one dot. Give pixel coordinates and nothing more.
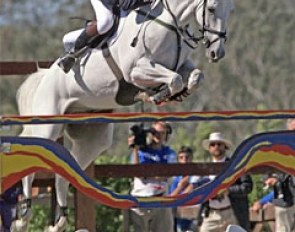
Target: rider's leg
(104, 23)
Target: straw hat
(215, 137)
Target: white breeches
(104, 18)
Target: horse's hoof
(60, 226)
(142, 96)
(195, 80)
(19, 225)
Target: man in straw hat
(230, 207)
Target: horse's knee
(195, 79)
(176, 85)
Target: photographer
(149, 148)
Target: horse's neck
(182, 10)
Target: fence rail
(147, 117)
(150, 170)
(22, 67)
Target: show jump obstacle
(21, 156)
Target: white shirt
(219, 203)
(148, 187)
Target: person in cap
(232, 206)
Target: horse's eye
(211, 10)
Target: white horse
(107, 80)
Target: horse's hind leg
(85, 142)
(53, 132)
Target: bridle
(191, 40)
(206, 28)
(182, 34)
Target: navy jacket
(125, 4)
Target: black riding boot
(68, 60)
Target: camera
(142, 136)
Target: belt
(222, 209)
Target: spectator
(282, 197)
(180, 183)
(8, 205)
(183, 217)
(152, 152)
(230, 207)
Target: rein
(191, 40)
(205, 28)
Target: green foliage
(39, 219)
(105, 215)
(258, 188)
(42, 216)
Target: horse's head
(212, 17)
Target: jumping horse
(152, 49)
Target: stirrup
(67, 62)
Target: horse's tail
(25, 95)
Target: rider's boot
(68, 60)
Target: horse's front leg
(85, 142)
(147, 74)
(192, 76)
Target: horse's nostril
(212, 55)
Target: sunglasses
(215, 144)
(183, 156)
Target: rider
(105, 20)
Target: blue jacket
(10, 196)
(151, 156)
